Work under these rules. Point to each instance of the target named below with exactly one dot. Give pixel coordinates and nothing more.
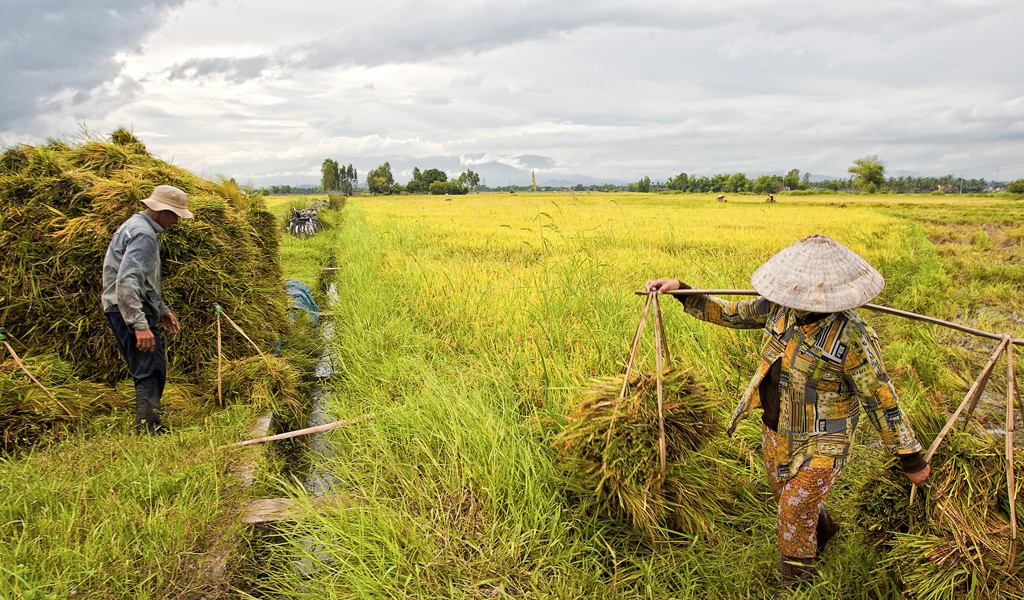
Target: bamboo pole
(301, 432)
(658, 344)
(874, 307)
(20, 364)
(1011, 490)
(220, 396)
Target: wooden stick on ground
(300, 432)
(17, 361)
(1011, 490)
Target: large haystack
(60, 203)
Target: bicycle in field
(304, 222)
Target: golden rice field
(471, 327)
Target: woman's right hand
(665, 285)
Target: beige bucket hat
(818, 274)
(168, 197)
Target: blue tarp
(302, 298)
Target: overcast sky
(264, 90)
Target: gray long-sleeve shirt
(131, 272)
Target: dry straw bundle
(60, 203)
(958, 545)
(612, 442)
(27, 412)
(644, 453)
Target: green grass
(106, 513)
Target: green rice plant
(106, 513)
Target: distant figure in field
(843, 205)
(721, 198)
(447, 196)
(771, 199)
(132, 302)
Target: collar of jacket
(156, 226)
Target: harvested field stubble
(60, 204)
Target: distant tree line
(338, 178)
(866, 175)
(381, 181)
(289, 189)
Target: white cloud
(610, 89)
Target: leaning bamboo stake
(976, 389)
(875, 307)
(248, 339)
(301, 432)
(1011, 490)
(220, 396)
(21, 365)
(972, 394)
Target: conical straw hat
(818, 274)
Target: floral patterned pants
(800, 498)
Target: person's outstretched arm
(743, 314)
(865, 372)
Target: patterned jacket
(830, 370)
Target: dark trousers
(149, 370)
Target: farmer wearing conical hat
(820, 365)
(132, 302)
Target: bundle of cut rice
(27, 412)
(60, 204)
(612, 444)
(959, 543)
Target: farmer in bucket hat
(820, 365)
(132, 302)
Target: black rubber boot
(147, 407)
(794, 570)
(827, 529)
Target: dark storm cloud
(49, 48)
